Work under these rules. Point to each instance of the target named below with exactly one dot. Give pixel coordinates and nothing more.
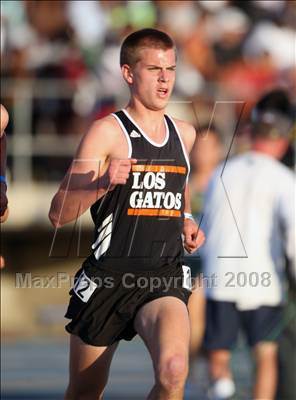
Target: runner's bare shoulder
(187, 132)
(105, 135)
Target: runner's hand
(118, 172)
(194, 237)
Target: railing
(29, 200)
(22, 145)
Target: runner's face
(153, 77)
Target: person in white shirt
(250, 228)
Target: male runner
(4, 118)
(138, 197)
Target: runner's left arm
(193, 235)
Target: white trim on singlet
(183, 146)
(129, 143)
(167, 135)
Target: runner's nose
(163, 76)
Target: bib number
(84, 287)
(186, 283)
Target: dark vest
(138, 225)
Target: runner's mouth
(162, 92)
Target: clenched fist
(194, 237)
(118, 172)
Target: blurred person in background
(206, 154)
(286, 389)
(4, 118)
(249, 261)
(287, 341)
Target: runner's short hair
(148, 37)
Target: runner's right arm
(99, 164)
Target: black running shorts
(102, 309)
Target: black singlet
(138, 225)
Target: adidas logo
(134, 134)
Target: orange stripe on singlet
(159, 168)
(154, 212)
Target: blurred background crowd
(67, 52)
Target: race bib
(186, 283)
(84, 287)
